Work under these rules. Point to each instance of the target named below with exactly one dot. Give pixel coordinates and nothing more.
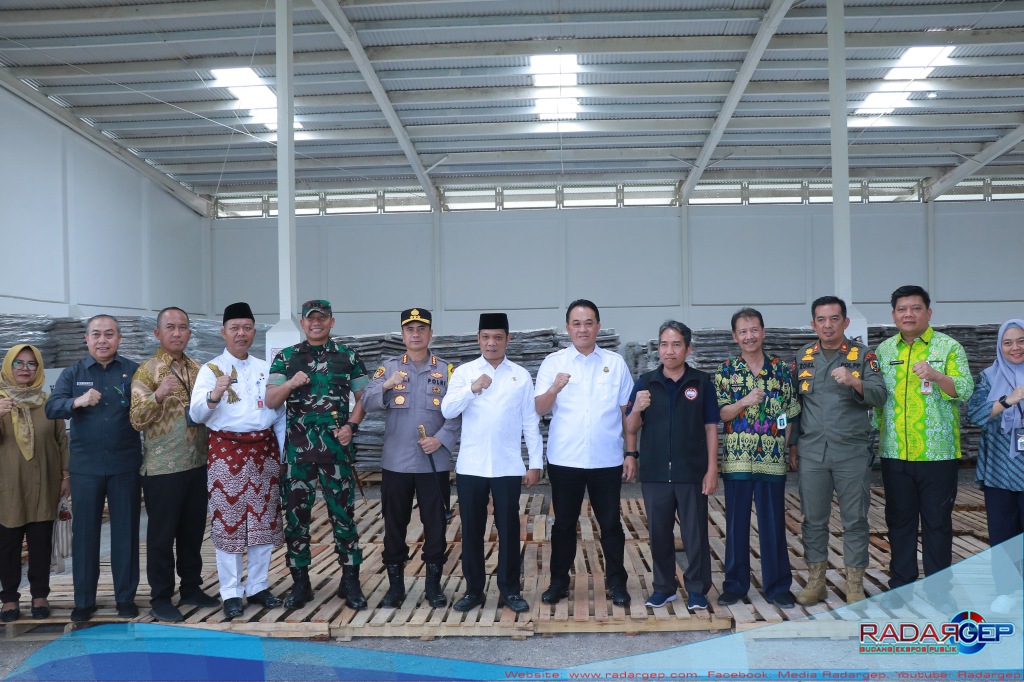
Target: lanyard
(186, 384)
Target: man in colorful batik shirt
(757, 400)
(926, 374)
(313, 379)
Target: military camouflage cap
(317, 305)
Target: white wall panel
(176, 245)
(889, 250)
(245, 267)
(979, 254)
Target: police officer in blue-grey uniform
(418, 442)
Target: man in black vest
(677, 408)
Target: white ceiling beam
(893, 151)
(473, 96)
(335, 16)
(971, 166)
(769, 25)
(468, 50)
(233, 7)
(668, 125)
(541, 179)
(197, 203)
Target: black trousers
(474, 492)
(1005, 512)
(919, 492)
(122, 494)
(176, 508)
(396, 493)
(662, 501)
(40, 546)
(568, 484)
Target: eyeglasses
(18, 364)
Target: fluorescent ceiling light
(553, 70)
(251, 93)
(559, 109)
(917, 63)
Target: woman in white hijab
(997, 406)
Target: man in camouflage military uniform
(410, 387)
(313, 379)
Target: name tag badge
(259, 404)
(926, 387)
(83, 383)
(1018, 440)
(781, 421)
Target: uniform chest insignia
(808, 355)
(405, 359)
(379, 373)
(854, 354)
(513, 378)
(605, 369)
(690, 393)
(403, 372)
(437, 402)
(844, 348)
(436, 375)
(399, 400)
(399, 387)
(805, 375)
(433, 360)
(435, 389)
(805, 387)
(856, 374)
(872, 362)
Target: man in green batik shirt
(926, 374)
(313, 379)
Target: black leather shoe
(469, 601)
(302, 589)
(395, 595)
(127, 609)
(41, 612)
(514, 602)
(265, 598)
(80, 615)
(433, 592)
(619, 595)
(200, 599)
(784, 600)
(350, 589)
(166, 612)
(10, 615)
(728, 598)
(554, 594)
(233, 608)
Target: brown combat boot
(814, 592)
(854, 584)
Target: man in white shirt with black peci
(495, 398)
(587, 389)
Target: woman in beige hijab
(33, 477)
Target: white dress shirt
(586, 419)
(250, 413)
(494, 422)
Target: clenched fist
(643, 401)
(297, 380)
(393, 380)
(844, 377)
(753, 398)
(220, 387)
(925, 371)
(561, 379)
(480, 384)
(344, 434)
(166, 387)
(87, 399)
(6, 406)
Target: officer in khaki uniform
(837, 380)
(410, 388)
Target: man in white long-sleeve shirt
(243, 462)
(495, 398)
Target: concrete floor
(536, 651)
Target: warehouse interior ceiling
(501, 96)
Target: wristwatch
(634, 454)
(353, 426)
(209, 398)
(1006, 405)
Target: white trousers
(229, 571)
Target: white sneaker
(1003, 604)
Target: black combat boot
(396, 592)
(302, 589)
(434, 593)
(349, 590)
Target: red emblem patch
(435, 389)
(690, 393)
